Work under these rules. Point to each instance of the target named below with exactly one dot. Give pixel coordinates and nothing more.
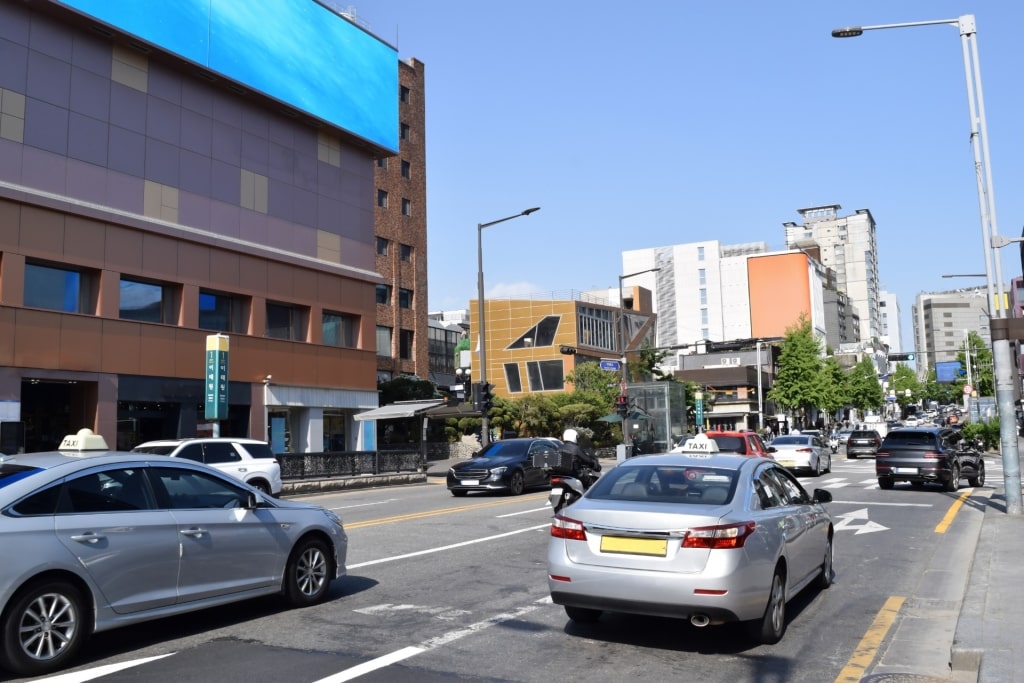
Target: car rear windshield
(154, 450)
(731, 444)
(909, 439)
(783, 440)
(863, 435)
(666, 484)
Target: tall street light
(1001, 358)
(623, 344)
(485, 433)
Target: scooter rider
(583, 463)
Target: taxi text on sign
(216, 377)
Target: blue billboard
(951, 371)
(296, 51)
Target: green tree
(945, 393)
(904, 379)
(800, 384)
(836, 393)
(981, 365)
(865, 389)
(645, 366)
(590, 378)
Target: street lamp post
(485, 435)
(623, 371)
(1002, 360)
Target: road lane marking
(363, 505)
(875, 503)
(428, 551)
(90, 674)
(443, 639)
(951, 513)
(435, 513)
(867, 648)
(546, 508)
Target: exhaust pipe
(700, 620)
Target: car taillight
(882, 454)
(719, 537)
(556, 481)
(932, 455)
(805, 450)
(569, 529)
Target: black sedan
(928, 455)
(505, 465)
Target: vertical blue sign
(700, 412)
(217, 377)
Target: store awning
(398, 410)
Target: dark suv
(862, 442)
(928, 455)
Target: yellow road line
(435, 513)
(867, 648)
(951, 513)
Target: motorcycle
(833, 443)
(566, 487)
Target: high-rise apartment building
(889, 317)
(400, 224)
(846, 244)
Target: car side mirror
(252, 501)
(822, 496)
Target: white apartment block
(889, 318)
(846, 244)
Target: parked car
(741, 442)
(249, 460)
(95, 539)
(844, 436)
(862, 442)
(699, 536)
(505, 465)
(921, 455)
(805, 452)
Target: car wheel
(262, 486)
(885, 484)
(458, 493)
(816, 470)
(954, 479)
(979, 478)
(309, 573)
(769, 629)
(44, 626)
(828, 465)
(517, 484)
(582, 615)
(825, 577)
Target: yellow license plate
(634, 546)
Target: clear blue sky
(659, 122)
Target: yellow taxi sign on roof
(84, 440)
(699, 445)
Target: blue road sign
(610, 365)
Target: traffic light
(899, 356)
(622, 406)
(486, 392)
(566, 350)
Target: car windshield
(730, 444)
(666, 484)
(790, 439)
(504, 448)
(11, 473)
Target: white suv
(247, 459)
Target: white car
(803, 452)
(249, 460)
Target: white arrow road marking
(847, 522)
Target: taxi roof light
(84, 440)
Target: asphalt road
(450, 589)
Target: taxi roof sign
(699, 444)
(84, 440)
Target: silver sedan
(94, 539)
(709, 537)
(803, 452)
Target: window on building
(340, 329)
(703, 333)
(60, 289)
(703, 316)
(382, 246)
(382, 199)
(406, 169)
(513, 379)
(285, 321)
(404, 298)
(545, 375)
(382, 163)
(700, 253)
(148, 302)
(405, 348)
(406, 252)
(384, 294)
(702, 276)
(384, 341)
(403, 94)
(222, 312)
(703, 297)
(406, 207)
(403, 131)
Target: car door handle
(194, 532)
(88, 538)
